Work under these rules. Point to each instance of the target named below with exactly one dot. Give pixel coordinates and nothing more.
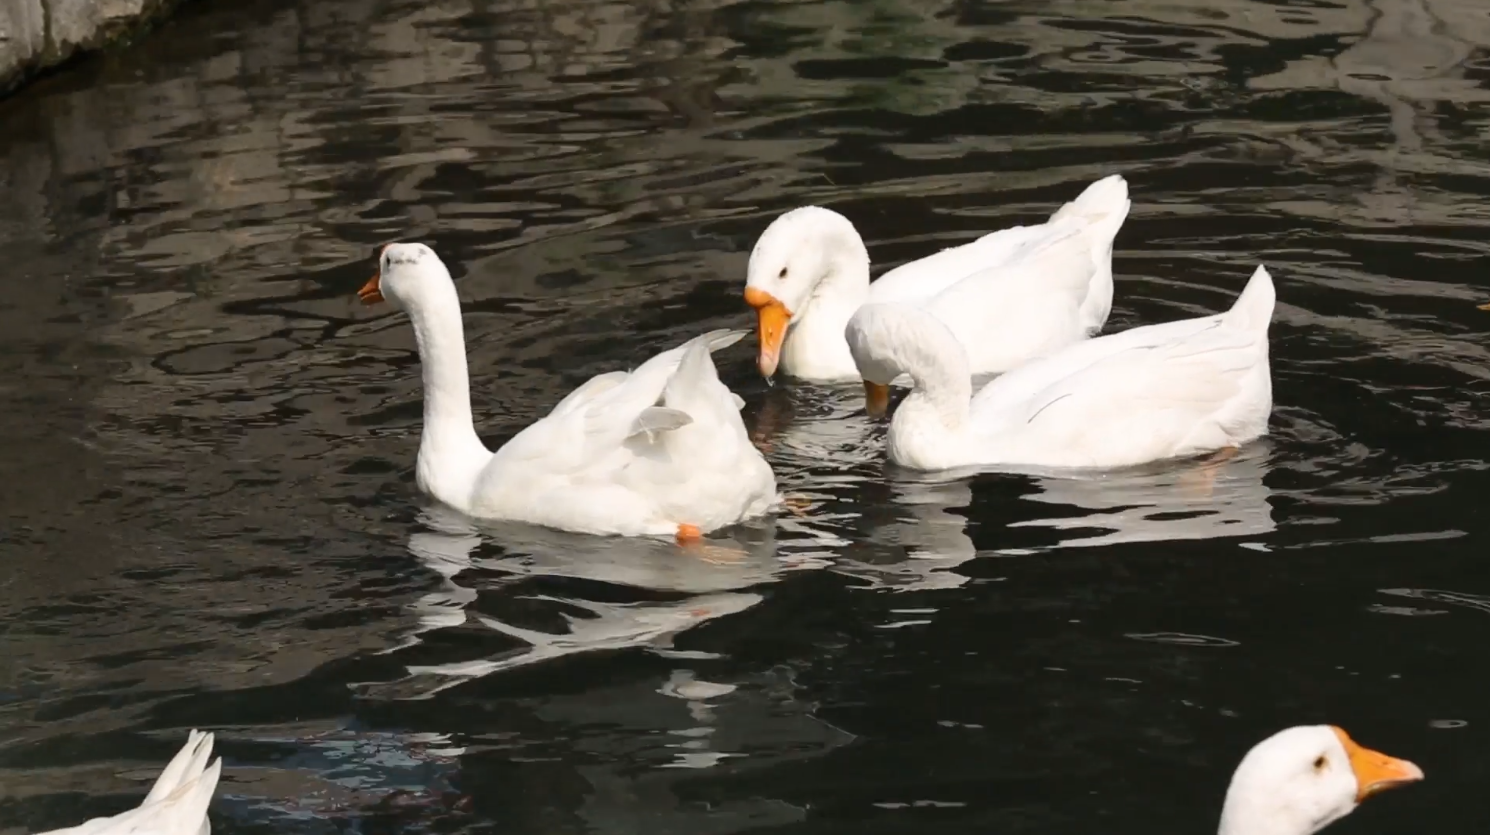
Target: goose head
(872, 344)
(804, 255)
(887, 339)
(409, 276)
(1300, 780)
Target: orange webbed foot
(716, 554)
(691, 540)
(1203, 480)
(797, 505)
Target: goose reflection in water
(707, 577)
(740, 557)
(1217, 496)
(446, 550)
(743, 556)
(609, 626)
(917, 548)
(821, 438)
(822, 445)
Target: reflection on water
(704, 574)
(920, 543)
(209, 518)
(1220, 496)
(679, 728)
(449, 546)
(737, 559)
(603, 627)
(324, 780)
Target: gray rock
(36, 34)
(23, 35)
(75, 23)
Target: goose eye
(1320, 763)
(782, 274)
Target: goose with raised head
(657, 451)
(1155, 392)
(1302, 779)
(1008, 296)
(177, 803)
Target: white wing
(593, 422)
(1162, 391)
(1096, 215)
(1027, 308)
(921, 279)
(1252, 311)
(177, 803)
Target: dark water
(209, 518)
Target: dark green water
(207, 511)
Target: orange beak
(774, 318)
(1375, 771)
(876, 399)
(372, 291)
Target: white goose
(177, 803)
(1146, 394)
(658, 451)
(1011, 295)
(1300, 780)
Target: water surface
(209, 512)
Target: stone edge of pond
(41, 35)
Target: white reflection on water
(707, 575)
(445, 550)
(916, 547)
(742, 557)
(745, 559)
(605, 626)
(694, 747)
(1203, 499)
(919, 547)
(912, 539)
(612, 626)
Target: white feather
(176, 804)
(1156, 392)
(1008, 296)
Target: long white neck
(928, 424)
(450, 453)
(816, 335)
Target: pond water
(208, 516)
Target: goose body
(1161, 391)
(660, 450)
(1008, 296)
(177, 803)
